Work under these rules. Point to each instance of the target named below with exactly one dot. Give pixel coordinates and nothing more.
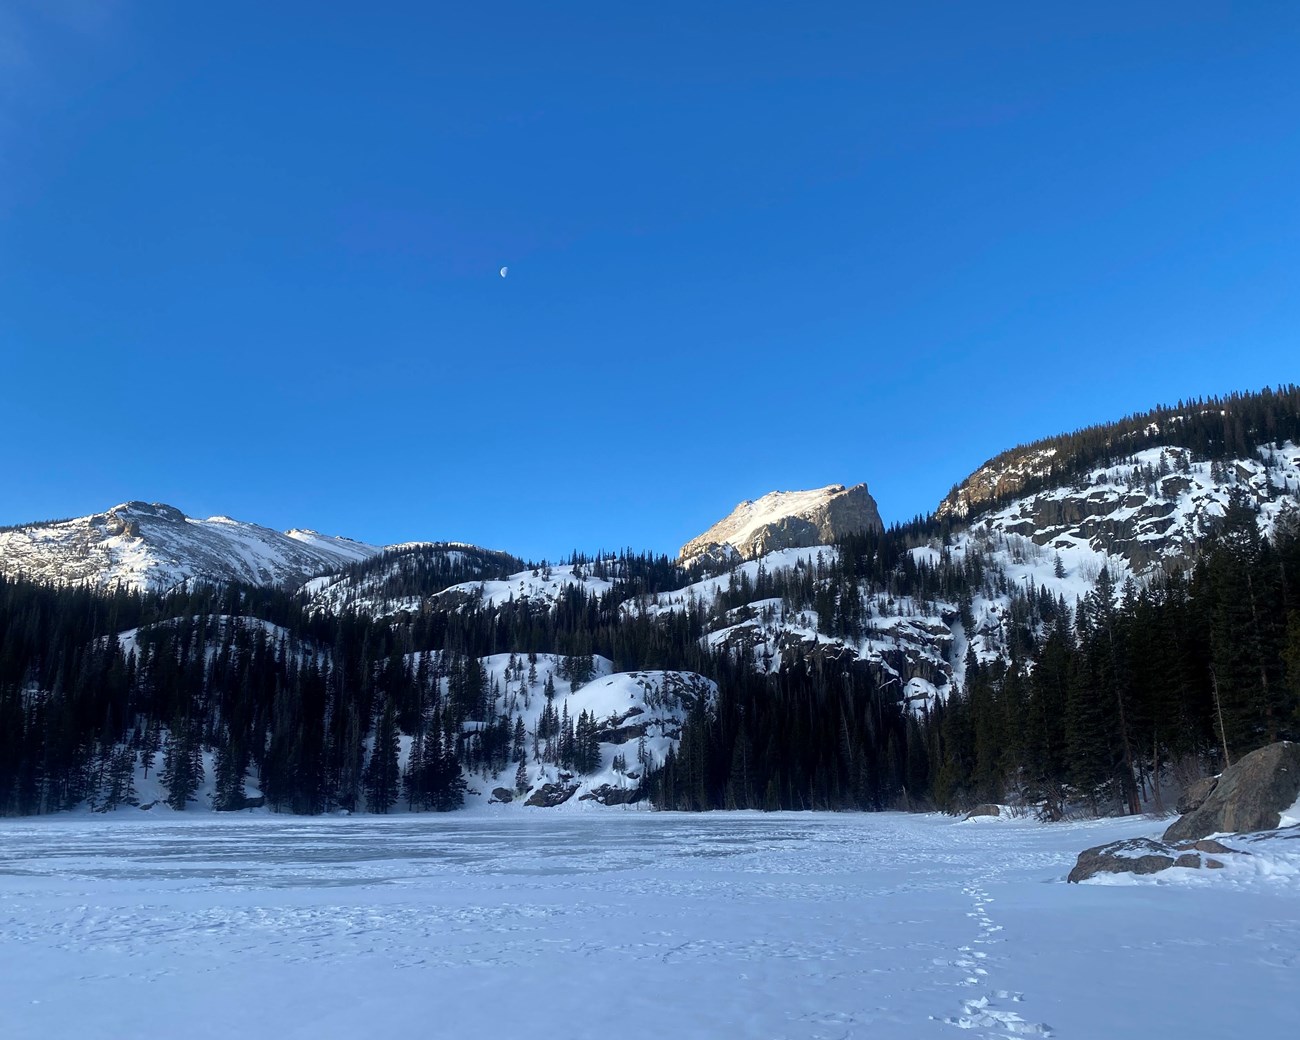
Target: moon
(504, 270)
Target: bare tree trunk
(1218, 710)
(1155, 773)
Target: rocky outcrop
(617, 730)
(1148, 856)
(550, 795)
(502, 794)
(608, 794)
(1131, 856)
(1250, 795)
(1154, 508)
(785, 520)
(995, 480)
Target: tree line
(1097, 703)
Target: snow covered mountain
(785, 520)
(1134, 516)
(152, 547)
(1152, 509)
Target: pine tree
(383, 775)
(182, 766)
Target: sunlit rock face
(785, 520)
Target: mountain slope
(1216, 428)
(1153, 509)
(152, 547)
(403, 577)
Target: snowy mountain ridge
(1134, 517)
(153, 547)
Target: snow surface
(627, 923)
(543, 585)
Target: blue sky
(249, 252)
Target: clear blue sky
(249, 251)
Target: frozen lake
(624, 924)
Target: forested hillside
(1212, 429)
(1086, 646)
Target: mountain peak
(155, 509)
(786, 520)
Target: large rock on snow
(1195, 794)
(608, 794)
(1251, 795)
(1131, 856)
(785, 520)
(550, 795)
(1147, 856)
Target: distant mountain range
(154, 547)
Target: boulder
(1251, 795)
(501, 794)
(1130, 856)
(987, 809)
(608, 794)
(1195, 794)
(550, 795)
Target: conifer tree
(382, 772)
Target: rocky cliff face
(1153, 509)
(996, 480)
(785, 520)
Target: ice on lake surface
(628, 924)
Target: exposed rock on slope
(996, 480)
(151, 546)
(785, 520)
(1152, 509)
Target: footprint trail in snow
(987, 1010)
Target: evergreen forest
(1092, 706)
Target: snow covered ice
(611, 923)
